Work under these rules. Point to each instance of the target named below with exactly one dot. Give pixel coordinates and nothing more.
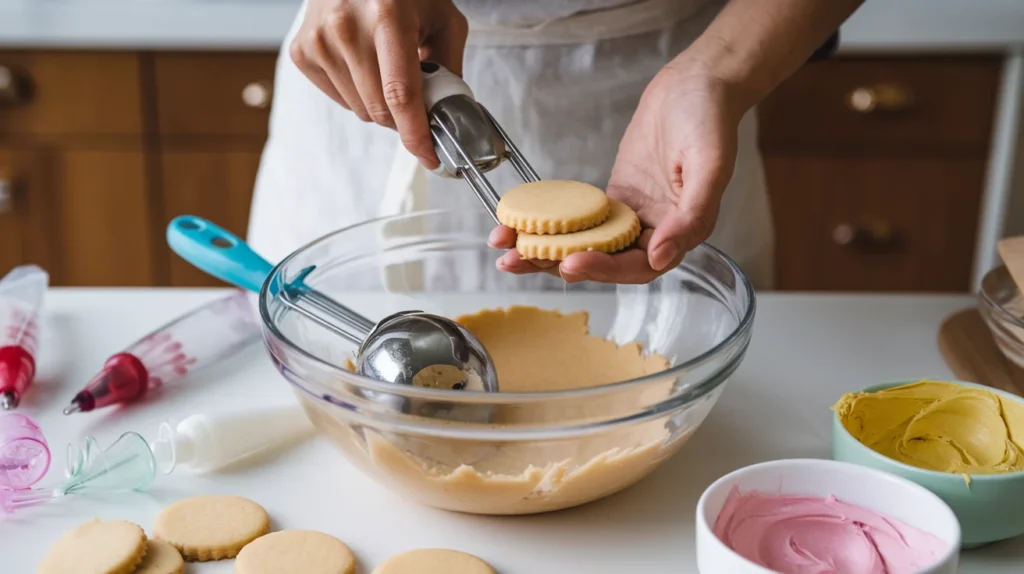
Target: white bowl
(854, 484)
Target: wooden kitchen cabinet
(25, 225)
(212, 113)
(216, 184)
(864, 224)
(73, 164)
(82, 214)
(875, 168)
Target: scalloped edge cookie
(618, 232)
(213, 527)
(553, 207)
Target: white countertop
(806, 351)
(880, 25)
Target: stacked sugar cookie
(556, 218)
(219, 527)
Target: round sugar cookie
(96, 547)
(211, 527)
(434, 561)
(296, 552)
(553, 206)
(161, 558)
(618, 232)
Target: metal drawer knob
(875, 235)
(6, 196)
(256, 95)
(881, 98)
(13, 89)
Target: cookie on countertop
(296, 552)
(161, 558)
(434, 561)
(211, 527)
(96, 547)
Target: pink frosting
(810, 535)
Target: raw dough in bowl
(533, 350)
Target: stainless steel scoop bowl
(407, 348)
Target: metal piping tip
(8, 400)
(72, 408)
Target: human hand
(674, 162)
(365, 55)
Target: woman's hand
(673, 165)
(365, 55)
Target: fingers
(502, 237)
(401, 89)
(627, 267)
(302, 52)
(511, 262)
(365, 56)
(693, 219)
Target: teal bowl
(990, 509)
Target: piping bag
(202, 337)
(201, 443)
(21, 296)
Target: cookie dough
(296, 552)
(211, 527)
(618, 232)
(534, 350)
(433, 561)
(538, 350)
(96, 547)
(939, 426)
(161, 558)
(553, 207)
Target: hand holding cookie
(551, 220)
(674, 163)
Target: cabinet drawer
(872, 104)
(214, 94)
(69, 93)
(874, 224)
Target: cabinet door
(883, 224)
(215, 184)
(24, 221)
(81, 213)
(102, 216)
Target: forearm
(755, 44)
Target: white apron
(563, 77)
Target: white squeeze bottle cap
(204, 442)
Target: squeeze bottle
(206, 442)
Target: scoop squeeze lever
(468, 140)
(407, 348)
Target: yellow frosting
(939, 426)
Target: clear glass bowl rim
(482, 397)
(995, 305)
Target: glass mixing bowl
(528, 452)
(1002, 307)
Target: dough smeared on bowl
(533, 350)
(539, 350)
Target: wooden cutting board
(970, 351)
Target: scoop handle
(217, 252)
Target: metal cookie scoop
(468, 140)
(408, 348)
